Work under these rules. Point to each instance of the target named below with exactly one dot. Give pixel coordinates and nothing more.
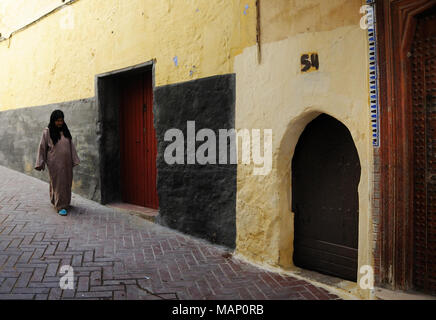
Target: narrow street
(116, 255)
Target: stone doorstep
(344, 289)
(386, 294)
(146, 213)
(335, 284)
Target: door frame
(396, 26)
(352, 252)
(107, 93)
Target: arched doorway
(325, 178)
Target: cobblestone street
(117, 255)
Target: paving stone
(115, 255)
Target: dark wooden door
(424, 140)
(138, 142)
(325, 177)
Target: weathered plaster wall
(193, 198)
(281, 19)
(16, 14)
(55, 60)
(48, 62)
(21, 130)
(276, 95)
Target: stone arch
(283, 159)
(326, 173)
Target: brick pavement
(116, 255)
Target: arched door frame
(283, 158)
(396, 27)
(340, 244)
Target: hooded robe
(60, 160)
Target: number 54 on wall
(309, 62)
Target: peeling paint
(192, 71)
(28, 167)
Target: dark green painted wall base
(21, 130)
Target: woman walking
(57, 151)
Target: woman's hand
(40, 168)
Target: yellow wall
(15, 14)
(46, 63)
(276, 95)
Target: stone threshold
(386, 294)
(143, 212)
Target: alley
(116, 255)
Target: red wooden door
(138, 143)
